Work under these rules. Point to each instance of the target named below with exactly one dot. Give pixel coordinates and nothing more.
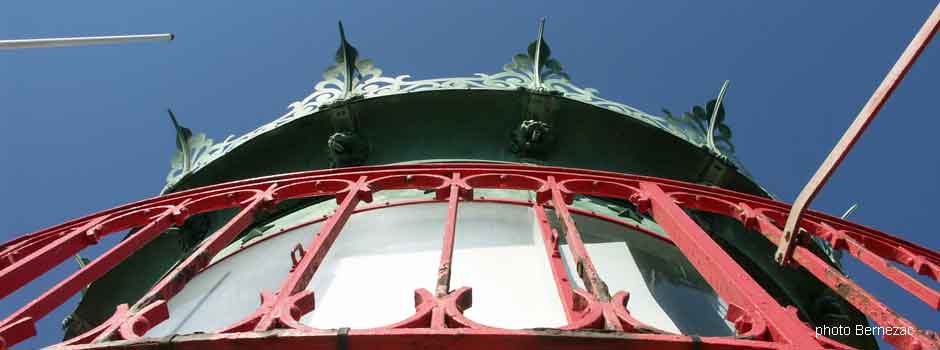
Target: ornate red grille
(596, 319)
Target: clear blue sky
(85, 129)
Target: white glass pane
(617, 268)
(369, 276)
(500, 254)
(230, 290)
(665, 289)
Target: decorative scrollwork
(189, 149)
(694, 124)
(537, 62)
(349, 69)
(352, 77)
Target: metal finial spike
(80, 260)
(346, 56)
(541, 26)
(710, 137)
(176, 124)
(540, 40)
(182, 141)
(850, 210)
(537, 58)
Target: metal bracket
(714, 172)
(534, 137)
(296, 255)
(346, 147)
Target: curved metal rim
(256, 182)
(755, 314)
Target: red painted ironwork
(585, 267)
(595, 318)
(727, 277)
(574, 309)
(456, 190)
(865, 116)
(284, 308)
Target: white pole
(91, 40)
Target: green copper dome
(532, 93)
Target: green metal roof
(535, 71)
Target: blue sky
(85, 129)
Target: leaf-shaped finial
(537, 61)
(710, 107)
(346, 56)
(190, 151)
(539, 52)
(182, 141)
(717, 113)
(182, 132)
(706, 124)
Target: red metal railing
(596, 319)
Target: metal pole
(838, 153)
(78, 41)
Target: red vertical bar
(592, 280)
(447, 249)
(560, 274)
(316, 251)
(723, 273)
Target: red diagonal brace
(838, 153)
(586, 270)
(298, 279)
(57, 295)
(176, 279)
(16, 331)
(557, 264)
(854, 294)
(40, 261)
(728, 278)
(840, 240)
